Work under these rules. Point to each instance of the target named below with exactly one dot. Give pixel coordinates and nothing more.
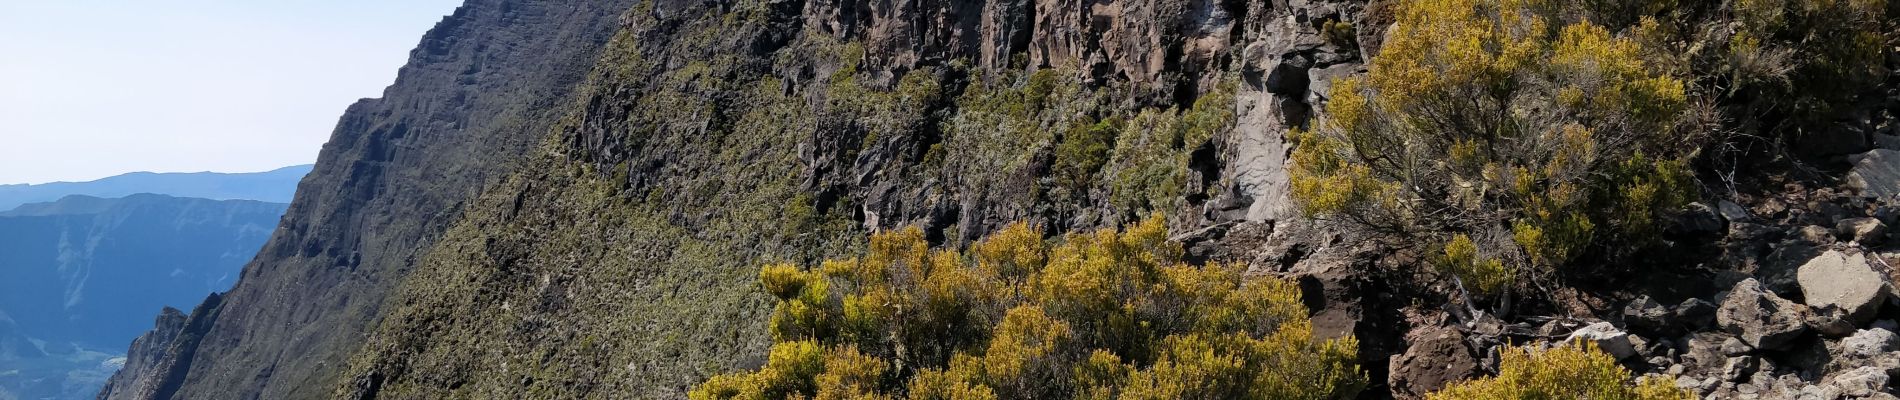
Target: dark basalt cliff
(710, 121)
(572, 199)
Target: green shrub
(1563, 372)
(1100, 315)
(1764, 68)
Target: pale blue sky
(92, 88)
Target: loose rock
(1860, 382)
(1866, 230)
(1843, 281)
(1868, 343)
(1877, 174)
(1606, 338)
(1645, 314)
(1761, 319)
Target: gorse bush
(1101, 315)
(1507, 137)
(1563, 372)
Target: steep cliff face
(714, 136)
(485, 232)
(711, 136)
(476, 93)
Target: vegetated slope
(80, 278)
(276, 186)
(618, 256)
(392, 176)
(717, 136)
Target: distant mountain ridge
(275, 186)
(80, 277)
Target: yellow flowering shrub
(1496, 119)
(1101, 315)
(1563, 372)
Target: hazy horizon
(101, 88)
(118, 174)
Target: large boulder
(1843, 281)
(1761, 319)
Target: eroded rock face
(1759, 318)
(1844, 281)
(145, 356)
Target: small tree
(1502, 136)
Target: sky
(94, 88)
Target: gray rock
(1860, 382)
(1735, 347)
(1885, 140)
(1876, 174)
(1695, 313)
(1831, 321)
(1778, 271)
(1321, 79)
(1739, 369)
(1703, 351)
(1865, 230)
(1698, 219)
(1761, 319)
(1868, 343)
(1691, 384)
(1645, 314)
(1733, 213)
(1844, 281)
(1606, 338)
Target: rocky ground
(1784, 294)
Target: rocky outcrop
(145, 360)
(166, 356)
(1287, 65)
